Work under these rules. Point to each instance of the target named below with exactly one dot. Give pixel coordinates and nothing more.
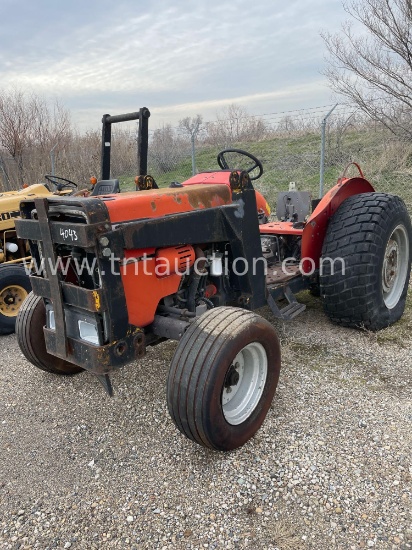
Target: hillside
(386, 162)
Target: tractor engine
(277, 248)
(284, 243)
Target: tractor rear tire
(370, 235)
(223, 377)
(14, 288)
(30, 337)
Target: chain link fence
(289, 147)
(288, 144)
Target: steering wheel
(222, 161)
(61, 183)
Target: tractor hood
(10, 203)
(156, 203)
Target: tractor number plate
(69, 234)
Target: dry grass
(284, 536)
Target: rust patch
(153, 205)
(198, 196)
(204, 198)
(96, 297)
(276, 276)
(128, 206)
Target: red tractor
(192, 263)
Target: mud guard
(317, 224)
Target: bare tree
(234, 124)
(166, 149)
(29, 128)
(16, 122)
(373, 70)
(286, 125)
(191, 126)
(79, 156)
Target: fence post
(322, 151)
(192, 139)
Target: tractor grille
(86, 308)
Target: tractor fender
(315, 229)
(262, 204)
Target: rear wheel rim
(395, 266)
(11, 298)
(244, 383)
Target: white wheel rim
(395, 266)
(240, 399)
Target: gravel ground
(330, 468)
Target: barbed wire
(310, 111)
(275, 115)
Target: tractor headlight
(78, 325)
(89, 332)
(51, 322)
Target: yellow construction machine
(14, 252)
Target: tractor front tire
(14, 287)
(366, 261)
(223, 377)
(30, 337)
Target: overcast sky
(177, 58)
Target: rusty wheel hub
(390, 265)
(11, 298)
(395, 266)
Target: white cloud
(176, 58)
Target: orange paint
(144, 289)
(316, 226)
(279, 228)
(156, 203)
(145, 279)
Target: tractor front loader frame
(234, 224)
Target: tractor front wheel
(223, 377)
(30, 337)
(366, 261)
(14, 287)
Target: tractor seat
(105, 187)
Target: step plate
(288, 312)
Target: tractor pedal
(288, 312)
